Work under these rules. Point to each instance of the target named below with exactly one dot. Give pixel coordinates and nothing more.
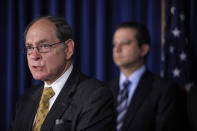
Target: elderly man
(68, 99)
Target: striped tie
(122, 105)
(43, 108)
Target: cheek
(55, 61)
(130, 53)
(28, 60)
(135, 54)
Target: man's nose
(35, 54)
(118, 48)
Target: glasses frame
(25, 50)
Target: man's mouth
(37, 68)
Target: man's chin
(119, 64)
(39, 77)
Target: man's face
(45, 66)
(126, 51)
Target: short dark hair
(142, 34)
(63, 29)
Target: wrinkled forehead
(41, 30)
(42, 24)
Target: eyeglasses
(44, 48)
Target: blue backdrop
(93, 23)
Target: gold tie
(43, 108)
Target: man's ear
(69, 48)
(145, 49)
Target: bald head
(62, 29)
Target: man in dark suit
(144, 101)
(68, 100)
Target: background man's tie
(122, 105)
(43, 108)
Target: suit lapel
(62, 102)
(33, 106)
(115, 89)
(143, 89)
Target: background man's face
(126, 52)
(45, 66)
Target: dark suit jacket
(154, 106)
(192, 108)
(83, 104)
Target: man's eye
(29, 47)
(126, 42)
(44, 46)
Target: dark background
(93, 23)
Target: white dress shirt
(134, 79)
(58, 85)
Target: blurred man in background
(144, 101)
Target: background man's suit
(192, 108)
(83, 104)
(154, 106)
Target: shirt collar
(134, 77)
(59, 83)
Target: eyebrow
(41, 41)
(123, 41)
